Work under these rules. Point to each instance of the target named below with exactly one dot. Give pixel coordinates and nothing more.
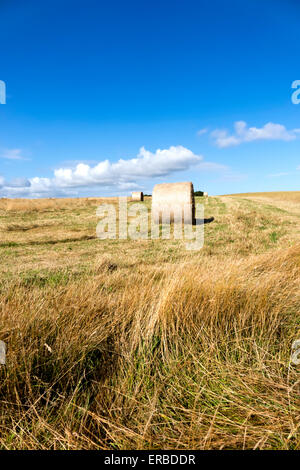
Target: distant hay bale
(175, 199)
(137, 196)
(205, 194)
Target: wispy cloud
(211, 166)
(122, 175)
(278, 175)
(242, 133)
(12, 154)
(232, 176)
(202, 131)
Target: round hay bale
(137, 196)
(175, 199)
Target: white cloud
(243, 133)
(12, 154)
(123, 175)
(19, 183)
(145, 165)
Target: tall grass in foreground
(189, 356)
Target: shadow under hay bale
(204, 221)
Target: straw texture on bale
(175, 199)
(137, 196)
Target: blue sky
(106, 97)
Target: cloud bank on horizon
(243, 133)
(122, 175)
(126, 175)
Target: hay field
(287, 196)
(142, 344)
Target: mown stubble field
(142, 344)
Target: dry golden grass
(291, 196)
(142, 345)
(30, 205)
